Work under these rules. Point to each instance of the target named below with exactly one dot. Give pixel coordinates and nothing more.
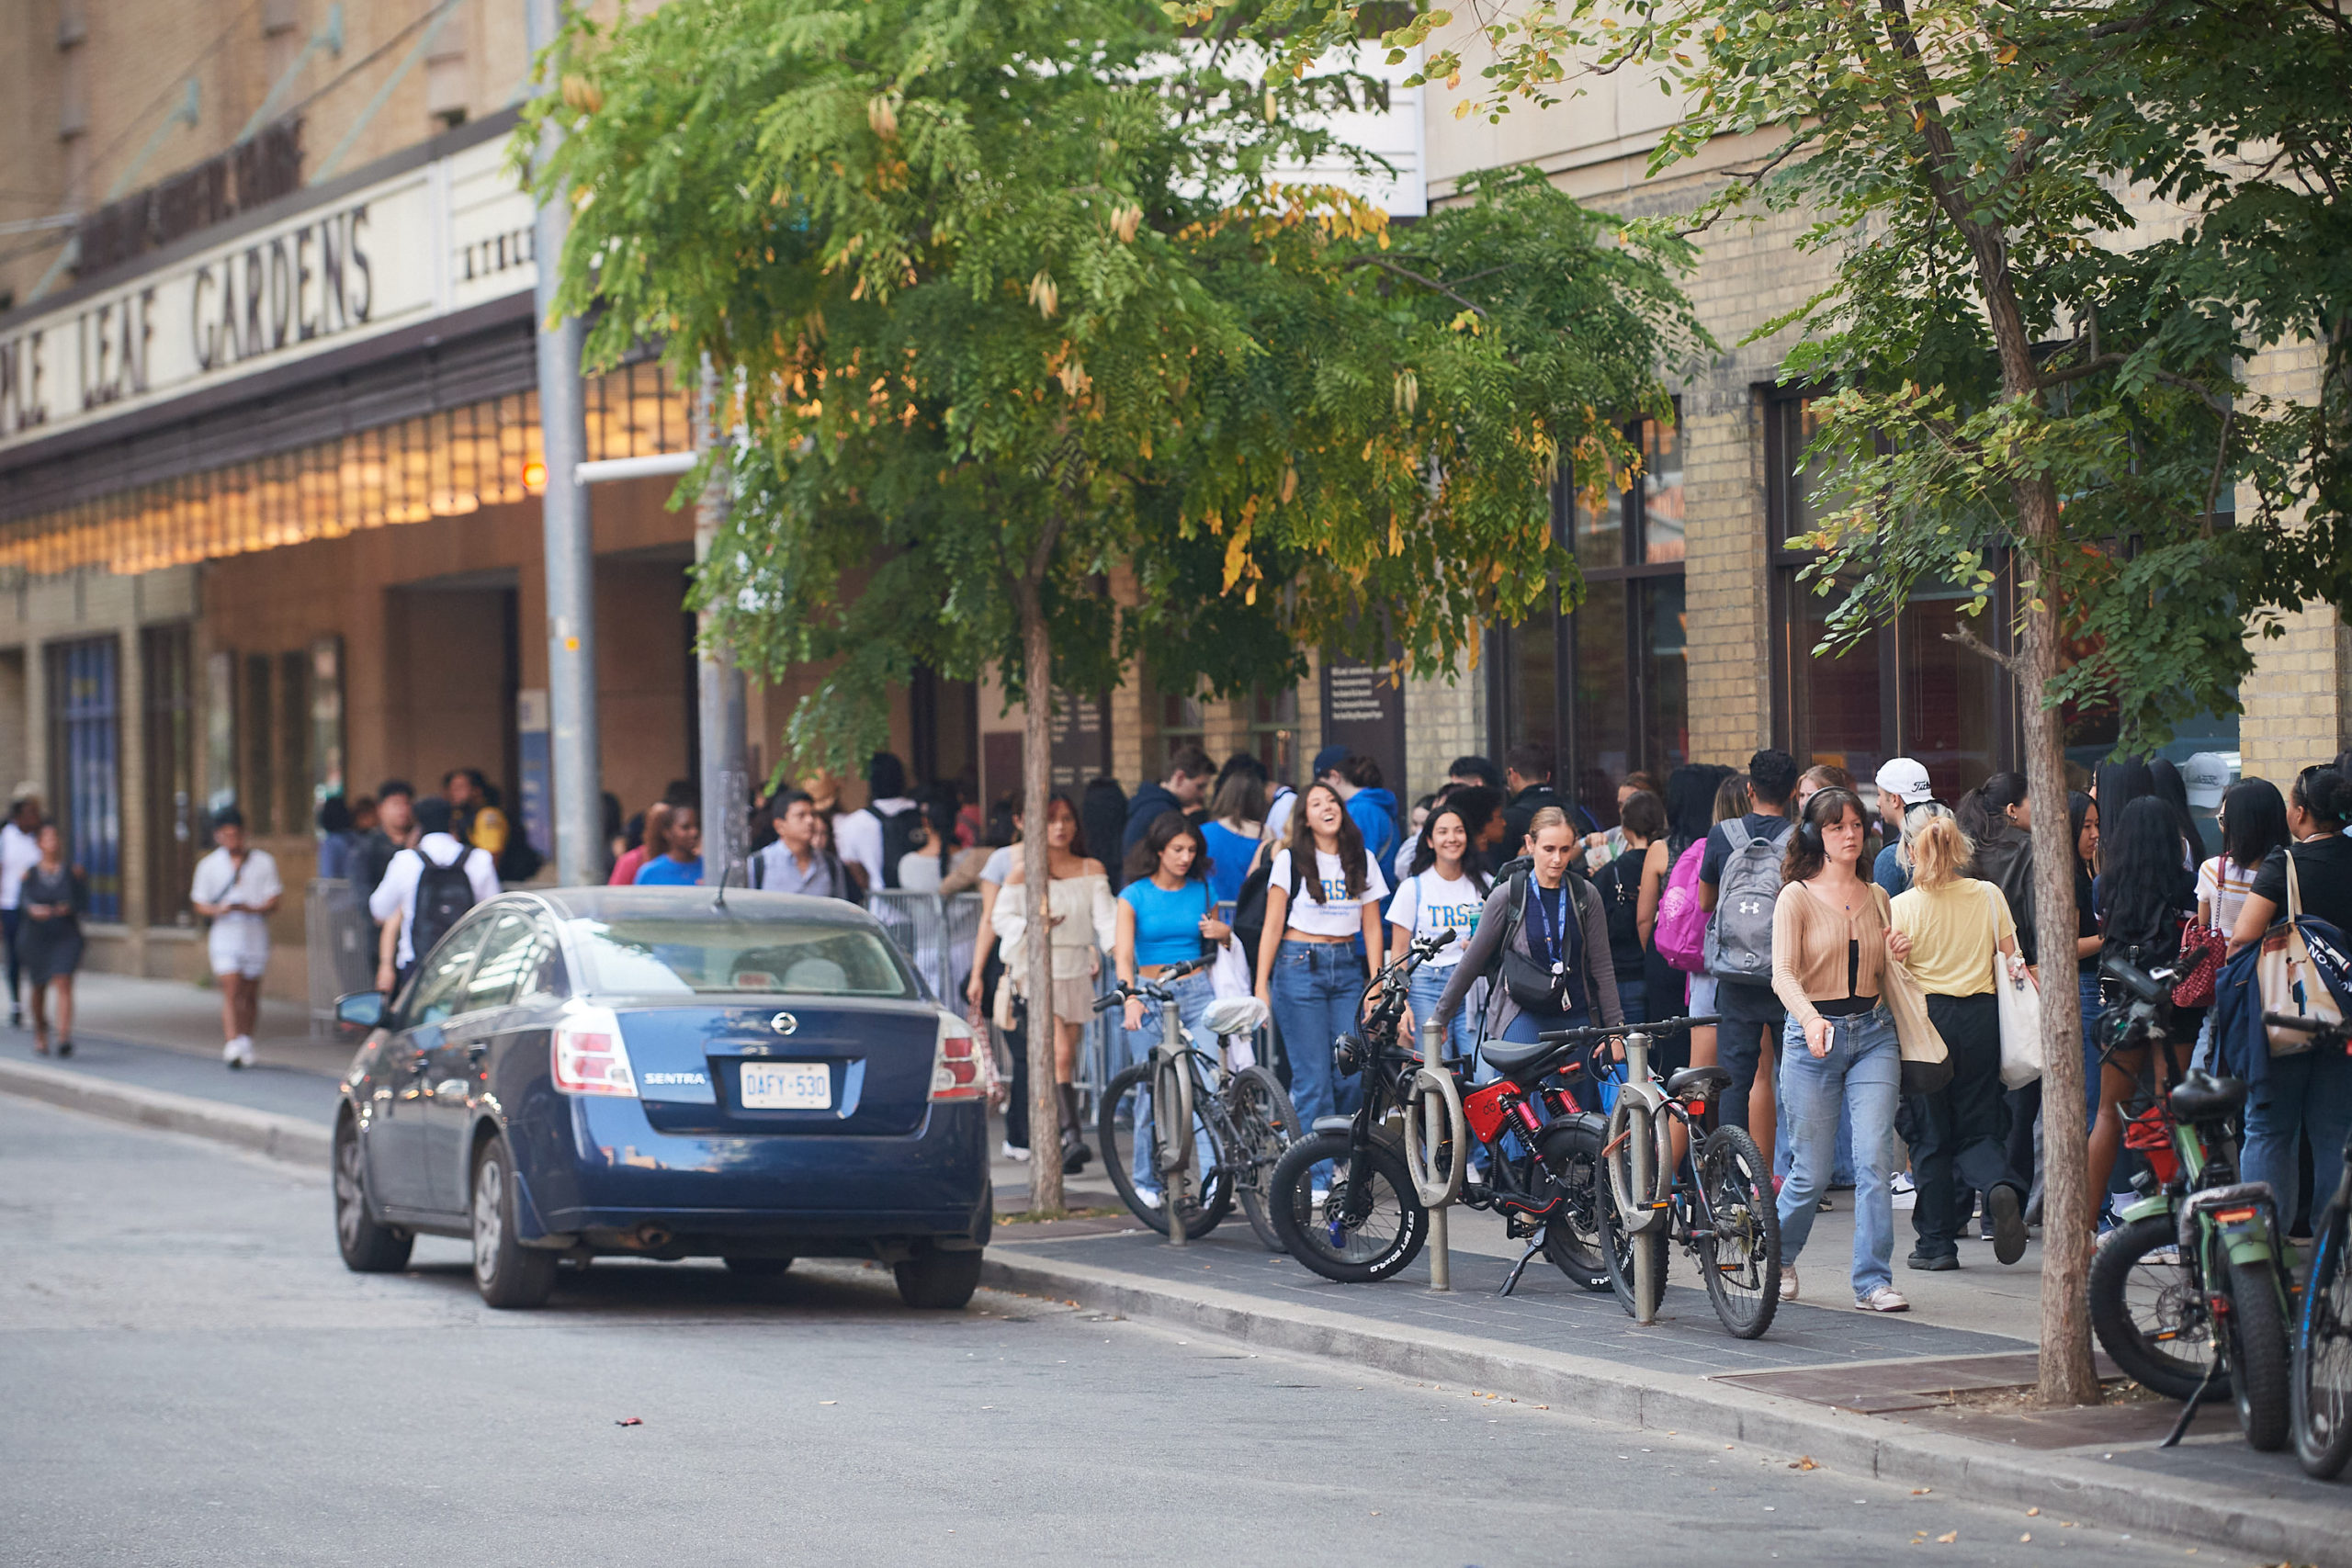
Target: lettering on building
(314, 282)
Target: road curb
(2270, 1526)
(287, 1138)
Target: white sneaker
(1886, 1298)
(1014, 1152)
(1901, 1183)
(1788, 1282)
(239, 1052)
(1317, 1197)
(1148, 1200)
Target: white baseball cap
(2209, 776)
(1906, 780)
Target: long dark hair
(2326, 793)
(2117, 785)
(1690, 805)
(1807, 854)
(2254, 822)
(1425, 854)
(1302, 845)
(1077, 822)
(2143, 889)
(2173, 790)
(1143, 861)
(2079, 811)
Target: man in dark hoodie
(1189, 772)
(1527, 781)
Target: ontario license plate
(787, 1086)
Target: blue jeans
(1862, 1076)
(1461, 1036)
(1195, 992)
(2307, 1093)
(1312, 991)
(2087, 987)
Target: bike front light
(1348, 1053)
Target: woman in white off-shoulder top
(1084, 922)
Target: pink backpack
(1681, 923)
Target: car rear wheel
(757, 1268)
(508, 1274)
(940, 1282)
(366, 1247)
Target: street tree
(1017, 297)
(2058, 235)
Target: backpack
(897, 838)
(444, 893)
(1739, 943)
(1249, 910)
(1681, 935)
(519, 861)
(1621, 901)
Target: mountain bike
(2193, 1285)
(2320, 1396)
(1714, 1200)
(1241, 1122)
(1370, 1221)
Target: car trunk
(798, 1066)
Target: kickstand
(2189, 1411)
(1510, 1281)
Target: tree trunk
(2067, 1377)
(1036, 780)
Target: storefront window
(173, 832)
(87, 764)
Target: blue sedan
(657, 1073)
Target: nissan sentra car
(660, 1073)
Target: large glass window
(1273, 731)
(87, 761)
(1602, 688)
(168, 678)
(1902, 689)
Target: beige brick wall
(1445, 717)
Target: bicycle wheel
(1125, 1115)
(1264, 1123)
(1573, 1240)
(2258, 1355)
(1354, 1237)
(1741, 1255)
(2147, 1312)
(1618, 1252)
(2323, 1369)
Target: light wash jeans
(1313, 990)
(1461, 1035)
(1195, 992)
(1861, 1078)
(2307, 1092)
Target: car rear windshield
(656, 957)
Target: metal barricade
(340, 947)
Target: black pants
(1960, 1135)
(1749, 1014)
(2025, 1109)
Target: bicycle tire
(1572, 1239)
(2258, 1355)
(1388, 1238)
(1213, 1196)
(2147, 1312)
(2322, 1395)
(1619, 1256)
(1264, 1124)
(1733, 1180)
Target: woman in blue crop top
(1167, 916)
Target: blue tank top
(1168, 925)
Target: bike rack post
(1637, 1071)
(1179, 1159)
(1435, 1082)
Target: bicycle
(2320, 1387)
(1370, 1221)
(1714, 1200)
(1241, 1122)
(2193, 1284)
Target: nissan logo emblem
(784, 1023)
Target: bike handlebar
(2319, 1028)
(1149, 989)
(1614, 1031)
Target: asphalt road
(188, 1376)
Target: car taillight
(590, 1057)
(955, 1065)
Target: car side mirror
(360, 1012)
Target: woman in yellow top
(1958, 927)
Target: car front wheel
(508, 1273)
(940, 1282)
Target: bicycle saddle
(1508, 1056)
(1704, 1082)
(2202, 1097)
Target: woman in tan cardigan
(1832, 939)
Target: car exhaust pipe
(652, 1238)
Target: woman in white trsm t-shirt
(1440, 894)
(1311, 976)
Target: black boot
(1075, 1154)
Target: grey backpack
(1739, 938)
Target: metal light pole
(578, 792)
(726, 775)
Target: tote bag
(1927, 1060)
(2292, 983)
(2020, 1008)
